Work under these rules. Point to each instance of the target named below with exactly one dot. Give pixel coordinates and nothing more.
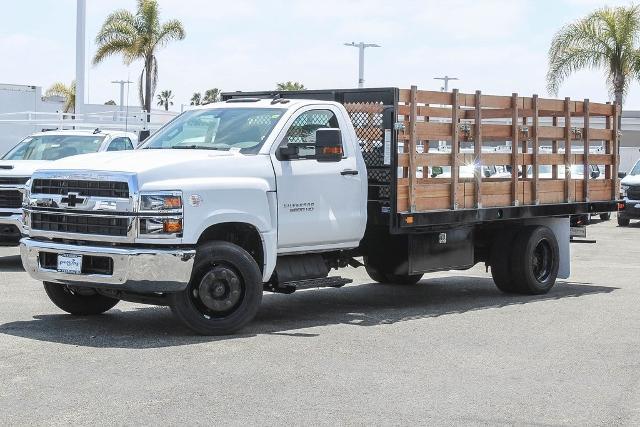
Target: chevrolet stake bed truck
(38, 150)
(269, 191)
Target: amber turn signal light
(173, 226)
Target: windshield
(54, 147)
(636, 169)
(242, 129)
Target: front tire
(78, 301)
(623, 222)
(224, 292)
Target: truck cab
(279, 181)
(630, 192)
(37, 151)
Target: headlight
(154, 225)
(624, 189)
(160, 202)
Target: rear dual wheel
(525, 262)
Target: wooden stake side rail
(523, 127)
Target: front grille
(105, 226)
(10, 199)
(13, 180)
(82, 187)
(633, 193)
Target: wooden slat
(477, 149)
(614, 148)
(514, 150)
(602, 109)
(493, 101)
(433, 97)
(455, 149)
(567, 149)
(413, 138)
(551, 132)
(586, 135)
(554, 147)
(601, 134)
(551, 105)
(534, 149)
(607, 147)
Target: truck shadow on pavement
(11, 264)
(361, 305)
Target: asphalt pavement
(451, 350)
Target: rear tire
(224, 292)
(535, 260)
(623, 222)
(76, 302)
(606, 216)
(391, 279)
(500, 262)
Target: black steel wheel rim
(542, 260)
(219, 292)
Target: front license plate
(71, 264)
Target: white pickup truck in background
(252, 194)
(37, 151)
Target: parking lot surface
(451, 350)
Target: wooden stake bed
(520, 126)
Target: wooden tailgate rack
(522, 123)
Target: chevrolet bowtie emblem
(72, 200)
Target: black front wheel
(623, 222)
(224, 292)
(81, 302)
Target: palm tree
(138, 36)
(67, 92)
(211, 95)
(605, 40)
(289, 85)
(165, 99)
(196, 98)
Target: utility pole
(121, 83)
(446, 82)
(361, 47)
(81, 18)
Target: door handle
(349, 172)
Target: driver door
(319, 203)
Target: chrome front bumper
(15, 218)
(134, 269)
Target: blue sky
(497, 46)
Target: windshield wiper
(192, 147)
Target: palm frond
(169, 31)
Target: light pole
(361, 47)
(121, 83)
(446, 81)
(81, 17)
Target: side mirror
(436, 170)
(595, 174)
(487, 173)
(622, 175)
(287, 152)
(329, 145)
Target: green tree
(165, 99)
(603, 40)
(211, 95)
(68, 92)
(196, 98)
(137, 37)
(289, 85)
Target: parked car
(38, 150)
(630, 192)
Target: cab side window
(301, 136)
(120, 144)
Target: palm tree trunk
(147, 86)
